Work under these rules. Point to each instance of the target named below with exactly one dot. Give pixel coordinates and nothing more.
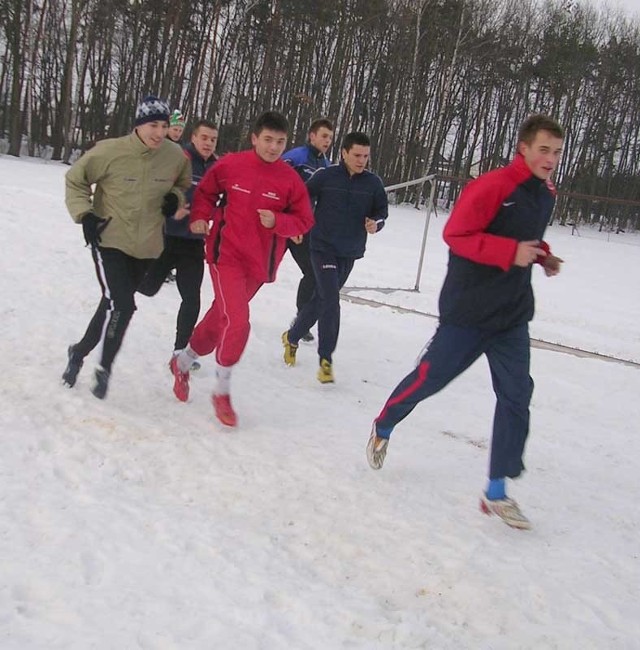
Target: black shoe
(100, 382)
(74, 365)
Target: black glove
(92, 228)
(169, 205)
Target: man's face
(153, 133)
(543, 154)
(269, 145)
(175, 133)
(204, 140)
(356, 158)
(321, 139)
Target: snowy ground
(138, 522)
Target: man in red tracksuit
(264, 203)
(494, 235)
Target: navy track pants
(324, 307)
(450, 352)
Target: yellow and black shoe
(289, 350)
(325, 372)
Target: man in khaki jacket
(119, 192)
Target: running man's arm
(465, 233)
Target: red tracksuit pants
(225, 327)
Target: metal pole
(432, 180)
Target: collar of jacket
(524, 174)
(140, 147)
(255, 159)
(193, 153)
(316, 153)
(346, 171)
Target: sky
(629, 7)
(138, 522)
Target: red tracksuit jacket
(483, 288)
(248, 184)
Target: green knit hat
(177, 119)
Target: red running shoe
(180, 381)
(224, 410)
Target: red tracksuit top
(248, 184)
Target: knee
(519, 394)
(332, 300)
(148, 289)
(125, 305)
(191, 298)
(238, 321)
(328, 296)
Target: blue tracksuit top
(306, 160)
(199, 166)
(342, 203)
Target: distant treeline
(440, 85)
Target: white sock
(223, 376)
(185, 358)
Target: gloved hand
(169, 205)
(92, 228)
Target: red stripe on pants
(423, 370)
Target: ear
(254, 139)
(521, 146)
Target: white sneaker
(376, 449)
(507, 509)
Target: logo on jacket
(271, 195)
(237, 187)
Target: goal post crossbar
(416, 181)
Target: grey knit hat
(151, 109)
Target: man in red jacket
(495, 236)
(264, 203)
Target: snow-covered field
(138, 522)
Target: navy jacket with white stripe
(342, 203)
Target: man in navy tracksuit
(495, 235)
(306, 160)
(183, 250)
(350, 202)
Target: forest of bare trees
(440, 85)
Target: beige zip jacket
(124, 180)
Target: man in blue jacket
(350, 202)
(306, 160)
(494, 235)
(183, 250)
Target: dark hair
(316, 125)
(539, 122)
(271, 120)
(206, 123)
(355, 137)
